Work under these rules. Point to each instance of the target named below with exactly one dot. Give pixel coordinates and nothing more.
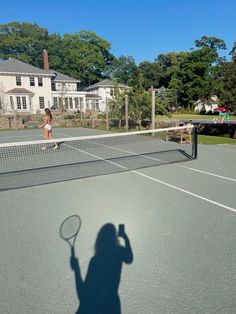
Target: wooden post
(126, 113)
(107, 117)
(153, 116)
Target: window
(60, 102)
(40, 81)
(32, 82)
(55, 102)
(53, 86)
(41, 103)
(81, 103)
(18, 102)
(24, 105)
(12, 102)
(66, 102)
(18, 80)
(76, 102)
(71, 103)
(97, 105)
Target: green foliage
(140, 103)
(192, 79)
(83, 55)
(87, 57)
(25, 118)
(210, 42)
(117, 104)
(124, 70)
(186, 76)
(226, 80)
(23, 41)
(150, 73)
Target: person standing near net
(47, 127)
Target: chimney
(45, 60)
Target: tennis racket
(69, 230)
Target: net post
(107, 116)
(194, 143)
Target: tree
(167, 64)
(210, 42)
(125, 70)
(116, 105)
(23, 41)
(194, 77)
(226, 79)
(87, 57)
(140, 103)
(83, 55)
(150, 72)
(233, 52)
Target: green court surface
(180, 220)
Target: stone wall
(11, 122)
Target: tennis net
(25, 164)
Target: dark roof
(19, 67)
(59, 77)
(19, 91)
(105, 83)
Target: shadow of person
(98, 293)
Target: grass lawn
(206, 139)
(190, 116)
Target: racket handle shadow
(72, 251)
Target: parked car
(220, 109)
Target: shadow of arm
(74, 263)
(127, 254)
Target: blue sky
(138, 28)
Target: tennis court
(180, 219)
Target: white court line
(84, 152)
(22, 136)
(159, 181)
(208, 173)
(152, 158)
(185, 191)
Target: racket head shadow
(69, 229)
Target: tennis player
(47, 127)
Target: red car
(220, 109)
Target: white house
(105, 90)
(28, 89)
(209, 106)
(23, 87)
(65, 93)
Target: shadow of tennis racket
(69, 230)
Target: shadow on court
(98, 292)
